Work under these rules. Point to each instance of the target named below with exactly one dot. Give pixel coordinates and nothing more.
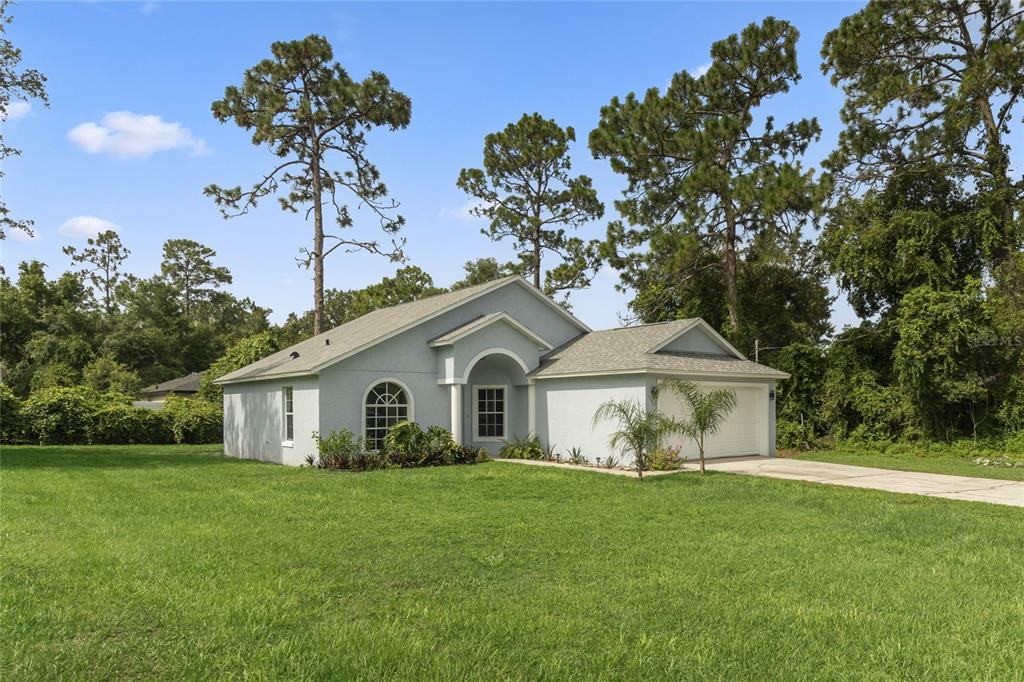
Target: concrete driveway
(933, 485)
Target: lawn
(173, 562)
(931, 462)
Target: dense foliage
(406, 445)
(77, 415)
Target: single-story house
(488, 363)
(153, 397)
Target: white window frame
(287, 396)
(505, 414)
(410, 406)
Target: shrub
(118, 423)
(523, 448)
(194, 421)
(665, 459)
(11, 420)
(576, 455)
(61, 415)
(406, 445)
(337, 449)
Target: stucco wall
(566, 407)
(696, 341)
(409, 358)
(254, 420)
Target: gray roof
(475, 323)
(307, 357)
(185, 384)
(628, 349)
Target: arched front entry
(494, 400)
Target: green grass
(931, 462)
(164, 562)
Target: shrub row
(791, 436)
(78, 415)
(406, 445)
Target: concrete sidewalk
(915, 483)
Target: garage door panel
(740, 434)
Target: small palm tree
(639, 431)
(708, 410)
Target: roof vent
(294, 354)
(327, 342)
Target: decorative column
(456, 405)
(531, 408)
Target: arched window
(387, 403)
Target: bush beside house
(77, 415)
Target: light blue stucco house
(489, 362)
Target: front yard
(172, 562)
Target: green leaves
(938, 83)
(694, 164)
(527, 192)
(314, 118)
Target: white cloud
(85, 226)
(127, 134)
(700, 70)
(16, 110)
(149, 7)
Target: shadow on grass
(67, 457)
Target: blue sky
(469, 69)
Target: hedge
(78, 415)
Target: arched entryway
(495, 400)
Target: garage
(745, 431)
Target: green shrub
(11, 419)
(194, 421)
(523, 448)
(406, 445)
(118, 423)
(665, 459)
(61, 415)
(337, 449)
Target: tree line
(916, 214)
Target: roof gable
(646, 349)
(321, 351)
(483, 322)
(697, 337)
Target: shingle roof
(185, 384)
(308, 356)
(627, 349)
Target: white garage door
(743, 433)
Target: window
(490, 412)
(386, 404)
(289, 415)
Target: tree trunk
(536, 246)
(318, 244)
(731, 294)
(700, 448)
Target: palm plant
(707, 410)
(640, 429)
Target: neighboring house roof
(638, 349)
(476, 324)
(312, 355)
(185, 384)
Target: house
(488, 362)
(154, 396)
